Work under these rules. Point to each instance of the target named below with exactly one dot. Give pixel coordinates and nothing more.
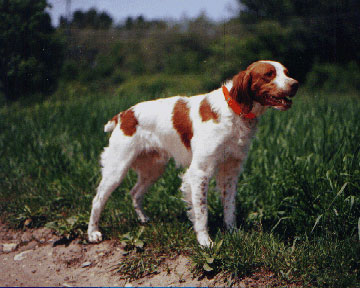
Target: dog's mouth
(279, 103)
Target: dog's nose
(294, 86)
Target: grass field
(298, 199)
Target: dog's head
(266, 82)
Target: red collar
(235, 106)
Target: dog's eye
(286, 72)
(269, 74)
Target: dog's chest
(237, 145)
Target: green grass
(298, 198)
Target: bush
(70, 70)
(334, 78)
(267, 40)
(160, 85)
(31, 52)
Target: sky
(119, 10)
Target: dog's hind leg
(115, 166)
(149, 167)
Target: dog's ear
(241, 90)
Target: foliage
(219, 50)
(334, 78)
(141, 50)
(133, 241)
(90, 19)
(308, 170)
(31, 52)
(268, 40)
(290, 32)
(327, 29)
(309, 263)
(140, 23)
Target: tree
(31, 53)
(328, 28)
(90, 19)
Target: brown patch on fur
(151, 153)
(203, 201)
(206, 112)
(182, 122)
(241, 90)
(146, 160)
(149, 156)
(115, 119)
(224, 194)
(128, 122)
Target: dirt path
(30, 259)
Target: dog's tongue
(285, 104)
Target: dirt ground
(30, 258)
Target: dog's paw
(144, 219)
(95, 236)
(204, 240)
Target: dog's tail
(111, 124)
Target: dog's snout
(294, 86)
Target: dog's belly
(175, 149)
(168, 144)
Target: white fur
(216, 148)
(281, 79)
(110, 125)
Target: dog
(209, 133)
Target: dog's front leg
(226, 182)
(199, 182)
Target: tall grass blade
(316, 222)
(338, 194)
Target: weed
(133, 241)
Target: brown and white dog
(209, 133)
